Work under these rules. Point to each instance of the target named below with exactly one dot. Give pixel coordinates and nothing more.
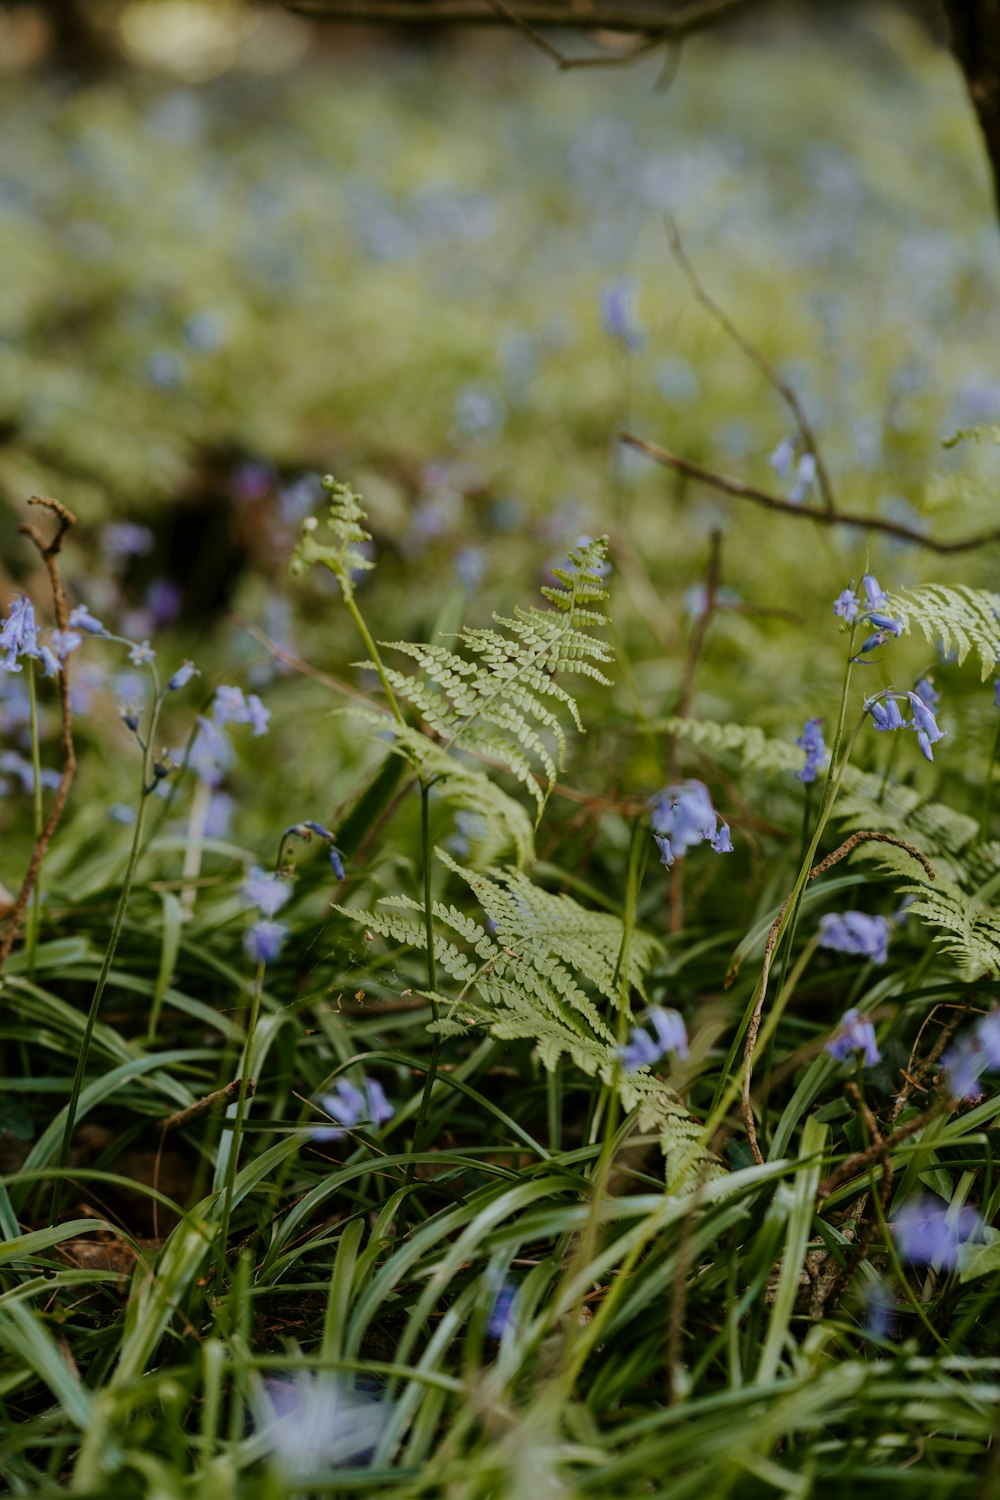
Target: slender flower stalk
(34, 908)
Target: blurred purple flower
(855, 1034)
(855, 932)
(265, 890)
(316, 1422)
(643, 1050)
(683, 816)
(264, 941)
(618, 312)
(19, 633)
(351, 1106)
(812, 742)
(927, 1233)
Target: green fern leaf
(962, 619)
(342, 552)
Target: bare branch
(666, 22)
(764, 365)
(725, 485)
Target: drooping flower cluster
(972, 1055)
(855, 932)
(212, 751)
(352, 1107)
(644, 1050)
(883, 709)
(812, 742)
(683, 816)
(268, 893)
(854, 1034)
(927, 1232)
(848, 607)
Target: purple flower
(229, 706)
(643, 1050)
(883, 709)
(805, 478)
(183, 676)
(619, 313)
(683, 816)
(501, 1318)
(926, 690)
(351, 1106)
(211, 753)
(855, 1034)
(140, 656)
(264, 941)
(988, 1031)
(266, 891)
(123, 539)
(873, 593)
(855, 932)
(51, 665)
(964, 1064)
(80, 618)
(64, 642)
(846, 606)
(220, 815)
(783, 457)
(19, 633)
(927, 1233)
(812, 742)
(316, 1422)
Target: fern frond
(967, 928)
(755, 750)
(500, 700)
(962, 619)
(544, 973)
(501, 822)
(990, 431)
(342, 554)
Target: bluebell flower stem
(232, 1162)
(109, 958)
(34, 909)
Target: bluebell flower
(783, 457)
(855, 932)
(51, 665)
(805, 478)
(183, 676)
(220, 815)
(121, 540)
(65, 642)
(988, 1032)
(501, 1319)
(846, 606)
(316, 1423)
(140, 656)
(854, 1034)
(13, 764)
(19, 633)
(264, 941)
(265, 890)
(926, 690)
(470, 565)
(644, 1050)
(80, 618)
(229, 706)
(351, 1106)
(927, 1234)
(812, 742)
(883, 709)
(618, 312)
(211, 753)
(873, 593)
(683, 816)
(964, 1064)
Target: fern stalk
(31, 926)
(431, 1075)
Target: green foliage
(343, 555)
(960, 619)
(497, 705)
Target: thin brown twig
(527, 30)
(49, 552)
(217, 1100)
(726, 485)
(861, 1159)
(764, 365)
(774, 933)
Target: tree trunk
(975, 41)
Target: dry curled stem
(49, 552)
(774, 933)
